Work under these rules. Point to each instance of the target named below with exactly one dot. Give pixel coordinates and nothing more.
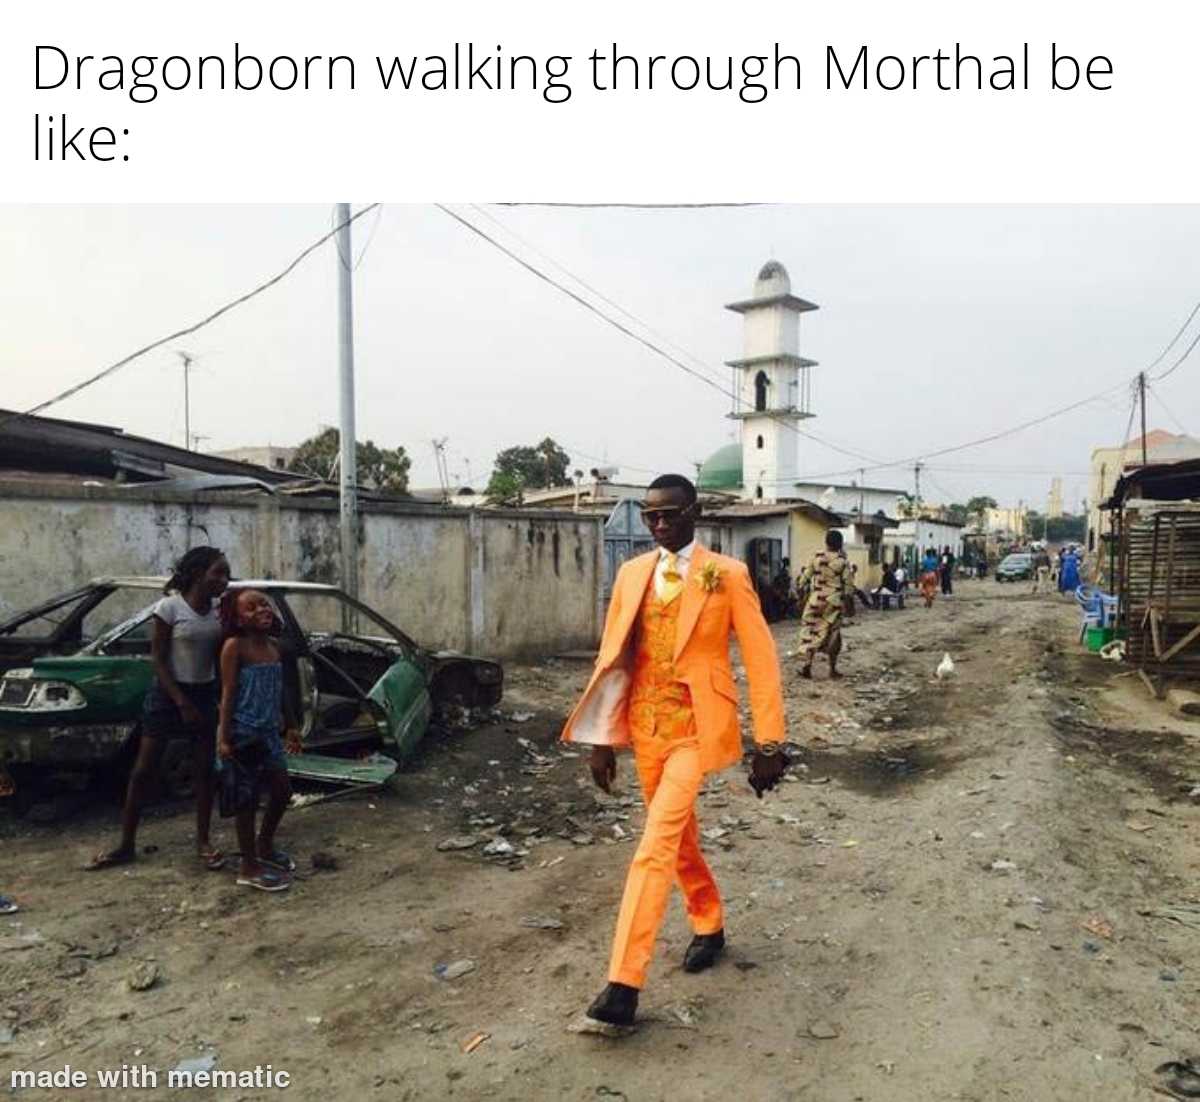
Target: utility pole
(1142, 394)
(348, 465)
(187, 359)
(862, 480)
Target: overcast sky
(937, 325)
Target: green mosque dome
(722, 471)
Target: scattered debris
(687, 1014)
(324, 862)
(1139, 826)
(1100, 926)
(143, 976)
(823, 1031)
(20, 941)
(541, 922)
(457, 842)
(453, 970)
(474, 1042)
(584, 1024)
(1186, 914)
(1002, 866)
(197, 1064)
(498, 847)
(582, 839)
(314, 1020)
(522, 717)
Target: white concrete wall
(497, 582)
(846, 498)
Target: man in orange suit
(663, 685)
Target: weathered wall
(494, 582)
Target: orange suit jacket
(701, 660)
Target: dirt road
(949, 900)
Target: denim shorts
(241, 777)
(161, 717)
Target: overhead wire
(621, 327)
(1167, 410)
(188, 329)
(1171, 344)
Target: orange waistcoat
(660, 704)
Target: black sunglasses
(669, 513)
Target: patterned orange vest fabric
(660, 705)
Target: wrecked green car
(76, 668)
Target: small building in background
(265, 455)
(1111, 462)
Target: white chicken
(945, 668)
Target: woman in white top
(182, 701)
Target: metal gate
(625, 535)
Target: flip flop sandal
(110, 860)
(265, 881)
(279, 859)
(212, 859)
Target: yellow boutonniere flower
(709, 577)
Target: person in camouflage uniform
(830, 583)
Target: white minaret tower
(771, 382)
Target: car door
(403, 694)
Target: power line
(657, 349)
(1166, 409)
(187, 330)
(1186, 353)
(1171, 344)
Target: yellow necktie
(672, 580)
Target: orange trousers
(670, 776)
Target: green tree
(378, 468)
(977, 507)
(960, 514)
(1068, 529)
(505, 488)
(540, 467)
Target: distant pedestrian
(831, 588)
(249, 737)
(929, 577)
(1041, 571)
(946, 571)
(1068, 577)
(182, 700)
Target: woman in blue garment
(1068, 576)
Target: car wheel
(177, 778)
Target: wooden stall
(1157, 534)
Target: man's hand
(604, 766)
(766, 771)
(224, 748)
(291, 741)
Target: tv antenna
(439, 457)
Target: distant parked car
(77, 667)
(1015, 567)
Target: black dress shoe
(615, 1005)
(703, 951)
